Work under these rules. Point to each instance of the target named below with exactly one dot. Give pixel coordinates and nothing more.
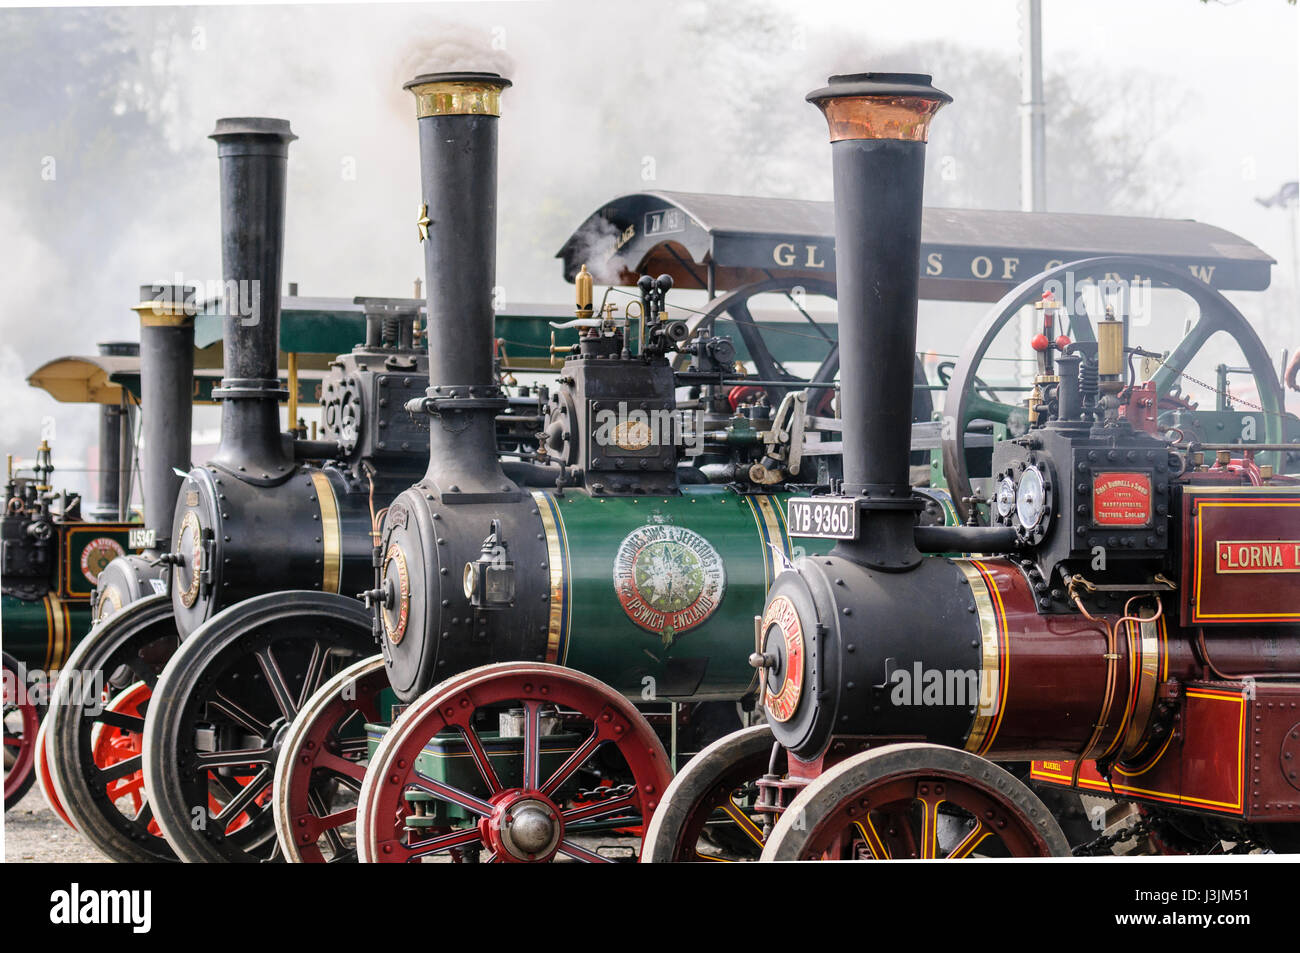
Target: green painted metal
(41, 633)
(711, 529)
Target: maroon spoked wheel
(322, 763)
(540, 811)
(22, 720)
(915, 801)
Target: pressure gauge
(1030, 498)
(1006, 498)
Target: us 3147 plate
(822, 517)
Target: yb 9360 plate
(822, 517)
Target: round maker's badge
(783, 637)
(96, 556)
(669, 579)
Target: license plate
(822, 517)
(142, 538)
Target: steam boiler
(1131, 625)
(542, 627)
(270, 513)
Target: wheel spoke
(144, 812)
(872, 839)
(133, 724)
(241, 801)
(570, 849)
(445, 792)
(929, 824)
(600, 809)
(315, 671)
(332, 762)
(442, 842)
(573, 763)
(275, 681)
(234, 758)
(532, 745)
(120, 770)
(485, 769)
(741, 820)
(972, 840)
(238, 714)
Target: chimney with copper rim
(879, 124)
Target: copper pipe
(1204, 654)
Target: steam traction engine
(264, 516)
(51, 560)
(595, 575)
(1139, 638)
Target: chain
(1225, 393)
(596, 795)
(1102, 845)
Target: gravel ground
(35, 834)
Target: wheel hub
(526, 827)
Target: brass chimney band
(465, 95)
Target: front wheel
(517, 762)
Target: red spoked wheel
(43, 779)
(322, 764)
(21, 723)
(519, 809)
(111, 745)
(915, 801)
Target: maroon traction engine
(1133, 628)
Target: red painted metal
(1241, 557)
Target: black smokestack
(879, 123)
(457, 115)
(114, 438)
(254, 155)
(167, 394)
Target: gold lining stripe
(990, 656)
(49, 630)
(1004, 653)
(331, 532)
(62, 624)
(555, 564)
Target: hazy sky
(713, 91)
